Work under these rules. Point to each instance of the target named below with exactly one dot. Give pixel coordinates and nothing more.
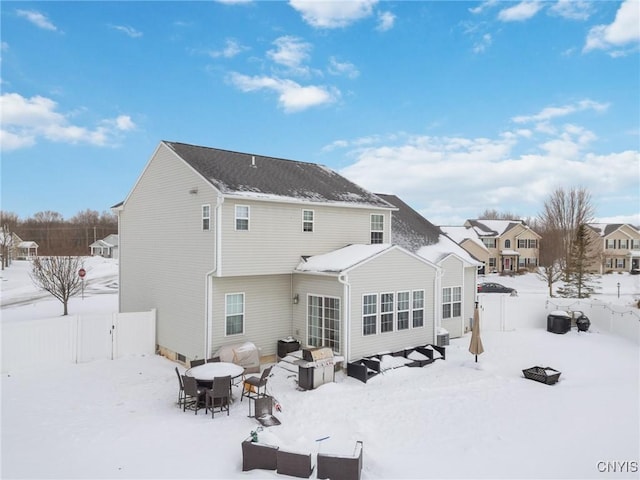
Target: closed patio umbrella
(475, 346)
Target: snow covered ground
(452, 419)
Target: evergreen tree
(580, 283)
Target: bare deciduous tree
(8, 222)
(58, 276)
(564, 211)
(551, 258)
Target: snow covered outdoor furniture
(294, 464)
(244, 354)
(436, 352)
(418, 357)
(546, 375)
(341, 467)
(258, 455)
(363, 369)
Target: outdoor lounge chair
(180, 388)
(194, 395)
(341, 467)
(218, 396)
(254, 387)
(258, 455)
(363, 369)
(294, 464)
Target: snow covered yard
(451, 419)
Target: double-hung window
(386, 312)
(234, 313)
(403, 304)
(369, 314)
(307, 220)
(451, 302)
(206, 217)
(242, 217)
(377, 228)
(417, 311)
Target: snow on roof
(442, 249)
(509, 252)
(341, 259)
(27, 244)
(460, 234)
(493, 227)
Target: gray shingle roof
(409, 229)
(260, 176)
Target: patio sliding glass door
(323, 322)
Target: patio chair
(254, 387)
(195, 363)
(213, 359)
(294, 464)
(180, 388)
(194, 395)
(218, 396)
(258, 455)
(341, 467)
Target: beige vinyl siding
(321, 285)
(453, 276)
(275, 240)
(481, 254)
(171, 277)
(393, 271)
(267, 311)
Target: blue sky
(456, 107)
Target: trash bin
(583, 323)
(558, 321)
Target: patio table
(207, 372)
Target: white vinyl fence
(503, 313)
(76, 339)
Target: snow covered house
(107, 247)
(617, 247)
(458, 269)
(512, 244)
(264, 248)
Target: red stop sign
(82, 272)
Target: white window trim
(376, 315)
(391, 312)
(339, 310)
(372, 230)
(312, 221)
(226, 314)
(247, 218)
(206, 217)
(424, 308)
(407, 310)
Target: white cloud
(520, 12)
(342, 68)
(386, 21)
(230, 50)
(333, 14)
(623, 31)
(38, 19)
(25, 120)
(483, 6)
(290, 51)
(484, 43)
(450, 179)
(549, 113)
(126, 29)
(572, 9)
(292, 96)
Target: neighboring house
(107, 247)
(16, 248)
(458, 278)
(617, 247)
(512, 245)
(468, 240)
(261, 248)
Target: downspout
(344, 280)
(217, 258)
(437, 304)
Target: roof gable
(260, 177)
